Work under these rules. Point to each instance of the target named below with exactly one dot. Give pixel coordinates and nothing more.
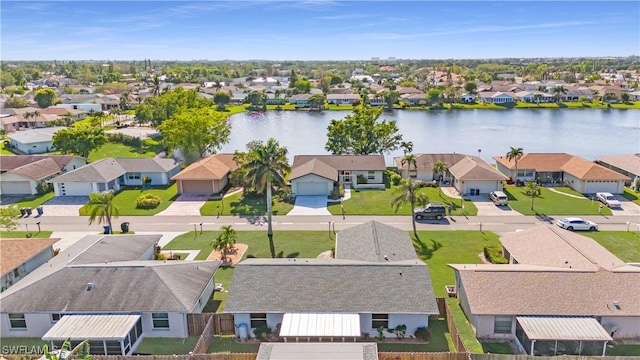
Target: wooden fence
(453, 329)
(203, 343)
(421, 356)
(231, 356)
(562, 357)
(222, 323)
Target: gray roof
(11, 162)
(373, 241)
(155, 164)
(101, 248)
(123, 287)
(331, 285)
(344, 162)
(32, 136)
(109, 169)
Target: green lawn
(120, 150)
(438, 342)
(496, 348)
(167, 346)
(623, 244)
(631, 195)
(30, 343)
(239, 204)
(125, 200)
(23, 234)
(226, 344)
(623, 350)
(4, 151)
(33, 201)
(378, 202)
(465, 330)
(551, 203)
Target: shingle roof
(38, 170)
(344, 162)
(17, 251)
(581, 168)
(35, 135)
(331, 285)
(373, 241)
(103, 170)
(100, 248)
(154, 164)
(474, 168)
(426, 161)
(627, 162)
(315, 167)
(214, 167)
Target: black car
(431, 211)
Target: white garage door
(15, 187)
(75, 189)
(594, 187)
(312, 188)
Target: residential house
(559, 168)
(113, 173)
(375, 280)
(414, 99)
(496, 97)
(627, 165)
(19, 257)
(343, 99)
(464, 172)
(376, 99)
(408, 90)
(300, 99)
(584, 295)
(34, 141)
(467, 98)
(21, 174)
(534, 96)
(206, 176)
(317, 174)
(114, 295)
(275, 99)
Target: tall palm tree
(225, 240)
(532, 189)
(155, 86)
(27, 116)
(409, 159)
(102, 208)
(515, 154)
(407, 147)
(440, 168)
(558, 91)
(267, 165)
(407, 193)
(36, 115)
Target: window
(413, 173)
(160, 320)
(17, 321)
(502, 325)
(56, 317)
(133, 176)
(378, 320)
(371, 175)
(258, 320)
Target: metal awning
(320, 324)
(563, 328)
(94, 327)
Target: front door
(346, 177)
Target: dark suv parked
(431, 211)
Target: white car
(608, 199)
(572, 224)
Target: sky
(316, 29)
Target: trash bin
(107, 229)
(124, 227)
(40, 210)
(23, 212)
(28, 211)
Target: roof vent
(386, 257)
(616, 303)
(89, 286)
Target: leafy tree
(303, 86)
(407, 193)
(434, 96)
(515, 154)
(45, 97)
(256, 98)
(81, 351)
(360, 133)
(9, 217)
(155, 110)
(202, 130)
(225, 240)
(470, 87)
(102, 208)
(222, 98)
(625, 97)
(16, 102)
(293, 78)
(267, 165)
(390, 97)
(80, 140)
(317, 101)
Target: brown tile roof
(316, 167)
(474, 168)
(426, 161)
(17, 251)
(627, 162)
(344, 162)
(214, 167)
(574, 165)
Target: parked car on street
(431, 211)
(608, 199)
(573, 224)
(499, 198)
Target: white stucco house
(110, 283)
(582, 175)
(34, 141)
(375, 280)
(464, 172)
(584, 296)
(112, 173)
(317, 174)
(21, 174)
(496, 97)
(19, 257)
(343, 99)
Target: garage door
(75, 189)
(312, 188)
(197, 187)
(594, 187)
(15, 187)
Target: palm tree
(409, 159)
(532, 189)
(515, 154)
(225, 240)
(267, 165)
(440, 168)
(407, 193)
(27, 116)
(155, 88)
(407, 147)
(35, 115)
(101, 207)
(558, 91)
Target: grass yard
(631, 195)
(167, 346)
(4, 151)
(551, 203)
(623, 350)
(23, 234)
(26, 343)
(496, 348)
(465, 330)
(121, 150)
(239, 204)
(125, 200)
(33, 201)
(623, 244)
(439, 248)
(226, 344)
(378, 202)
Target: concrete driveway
(487, 208)
(310, 205)
(628, 207)
(185, 205)
(64, 205)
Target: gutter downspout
(533, 343)
(604, 348)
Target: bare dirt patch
(233, 256)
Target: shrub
(161, 257)
(147, 201)
(493, 254)
(338, 191)
(395, 179)
(262, 332)
(423, 334)
(44, 187)
(361, 179)
(124, 139)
